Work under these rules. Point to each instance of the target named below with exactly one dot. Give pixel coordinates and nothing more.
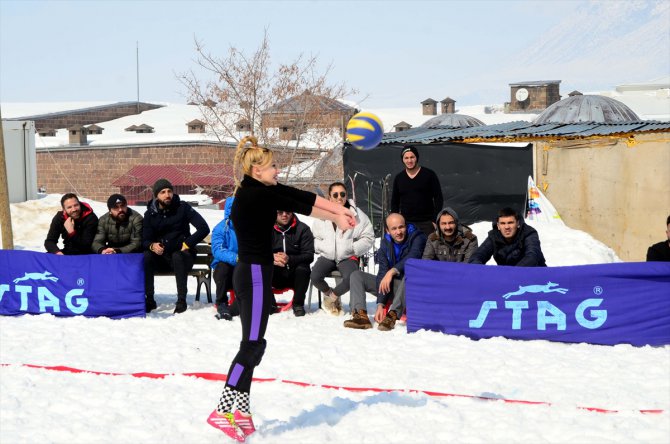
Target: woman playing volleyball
(254, 212)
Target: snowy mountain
(630, 39)
(602, 43)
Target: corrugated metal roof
(196, 174)
(523, 131)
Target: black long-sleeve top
(254, 214)
(79, 242)
(418, 199)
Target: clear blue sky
(395, 52)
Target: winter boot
(298, 310)
(245, 423)
(332, 303)
(337, 306)
(226, 423)
(388, 323)
(180, 306)
(359, 320)
(223, 312)
(328, 301)
(150, 303)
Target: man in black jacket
(168, 242)
(660, 252)
(293, 249)
(76, 223)
(511, 242)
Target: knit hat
(409, 148)
(115, 199)
(161, 184)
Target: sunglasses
(342, 195)
(284, 212)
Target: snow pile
(38, 405)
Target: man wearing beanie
(417, 193)
(167, 241)
(119, 230)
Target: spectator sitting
(169, 244)
(452, 241)
(338, 250)
(293, 250)
(76, 223)
(224, 250)
(660, 252)
(511, 242)
(401, 242)
(119, 230)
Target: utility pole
(137, 65)
(5, 215)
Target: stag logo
(46, 276)
(548, 288)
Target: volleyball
(365, 131)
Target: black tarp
(477, 180)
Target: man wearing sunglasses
(293, 251)
(120, 230)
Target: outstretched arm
(343, 220)
(326, 210)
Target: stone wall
(91, 171)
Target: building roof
(297, 105)
(77, 110)
(190, 175)
(428, 100)
(521, 131)
(587, 108)
(536, 83)
(452, 120)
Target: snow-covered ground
(42, 406)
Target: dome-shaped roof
(455, 120)
(587, 108)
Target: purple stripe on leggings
(235, 375)
(256, 301)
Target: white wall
(21, 165)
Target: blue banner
(622, 303)
(109, 285)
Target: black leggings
(253, 291)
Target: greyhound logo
(548, 288)
(46, 276)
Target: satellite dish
(521, 94)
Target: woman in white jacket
(338, 250)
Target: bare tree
(290, 107)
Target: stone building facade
(90, 171)
(533, 96)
